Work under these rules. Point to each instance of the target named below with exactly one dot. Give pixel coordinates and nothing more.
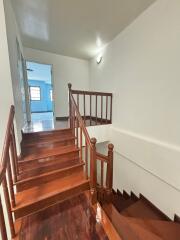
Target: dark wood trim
(134, 197)
(126, 195)
(113, 191)
(92, 118)
(176, 218)
(62, 118)
(150, 204)
(119, 193)
(42, 111)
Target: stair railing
(95, 107)
(8, 175)
(88, 153)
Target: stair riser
(46, 169)
(39, 148)
(46, 135)
(37, 206)
(45, 179)
(27, 165)
(44, 143)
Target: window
(51, 95)
(35, 93)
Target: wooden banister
(109, 179)
(87, 146)
(93, 170)
(95, 113)
(6, 178)
(2, 223)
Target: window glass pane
(35, 93)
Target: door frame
(52, 81)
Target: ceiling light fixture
(99, 59)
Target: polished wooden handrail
(8, 161)
(91, 93)
(102, 157)
(80, 132)
(84, 142)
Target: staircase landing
(72, 219)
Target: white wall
(65, 70)
(142, 68)
(6, 96)
(18, 90)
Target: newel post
(93, 171)
(70, 107)
(109, 179)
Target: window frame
(39, 93)
(51, 95)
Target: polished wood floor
(51, 124)
(45, 125)
(74, 219)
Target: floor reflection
(74, 219)
(44, 122)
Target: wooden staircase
(49, 171)
(59, 168)
(54, 166)
(138, 219)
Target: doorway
(40, 91)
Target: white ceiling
(76, 28)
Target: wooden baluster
(106, 109)
(96, 108)
(111, 111)
(13, 160)
(81, 143)
(93, 171)
(74, 122)
(102, 174)
(77, 132)
(78, 101)
(10, 180)
(85, 109)
(90, 110)
(15, 150)
(101, 109)
(8, 205)
(86, 159)
(2, 223)
(70, 104)
(77, 122)
(109, 177)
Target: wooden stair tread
(127, 230)
(48, 147)
(55, 139)
(51, 172)
(164, 229)
(50, 152)
(141, 209)
(48, 166)
(38, 193)
(49, 176)
(51, 132)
